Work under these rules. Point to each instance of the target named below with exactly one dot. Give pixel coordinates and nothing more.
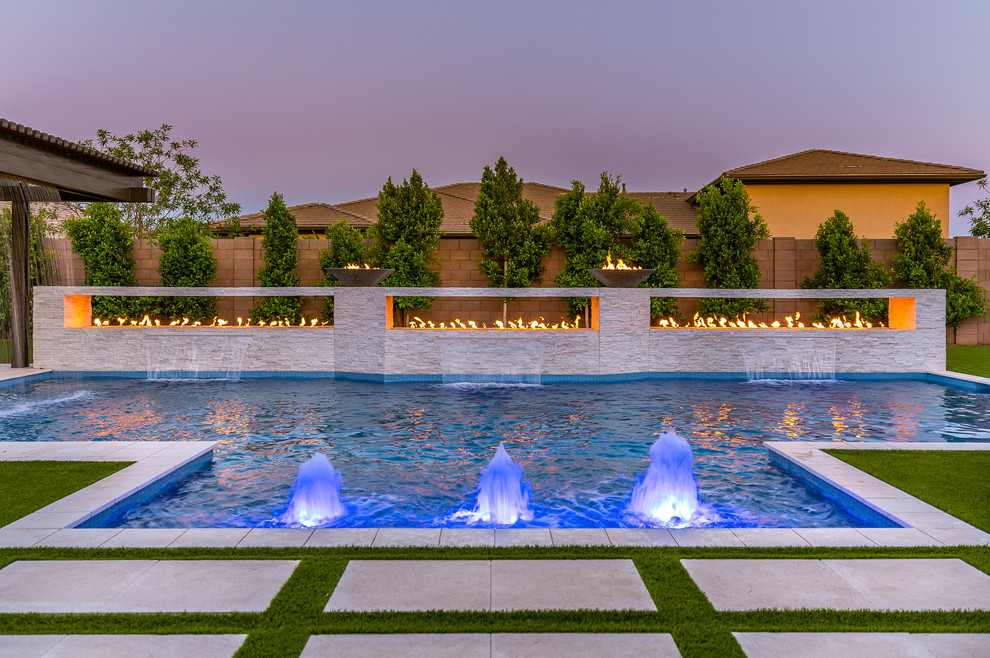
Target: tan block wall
(796, 210)
(784, 264)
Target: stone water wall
(364, 342)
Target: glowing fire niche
(792, 322)
(534, 325)
(146, 321)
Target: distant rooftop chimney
(685, 189)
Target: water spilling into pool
(412, 454)
(315, 496)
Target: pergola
(35, 166)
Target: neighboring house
(794, 194)
(797, 192)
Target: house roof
(820, 165)
(458, 208)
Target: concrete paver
(143, 538)
(769, 537)
(497, 645)
(210, 538)
(834, 537)
(579, 537)
(863, 645)
(523, 537)
(275, 538)
(79, 537)
(467, 537)
(418, 645)
(407, 537)
(705, 537)
(405, 585)
(324, 537)
(86, 586)
(897, 584)
(583, 645)
(568, 585)
(119, 646)
(640, 537)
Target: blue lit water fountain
(667, 494)
(503, 497)
(315, 496)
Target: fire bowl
(621, 278)
(358, 278)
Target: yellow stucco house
(795, 193)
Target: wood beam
(78, 180)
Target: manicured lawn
(969, 359)
(957, 482)
(29, 486)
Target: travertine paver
(419, 645)
(568, 585)
(935, 584)
(405, 585)
(498, 645)
(863, 645)
(119, 646)
(83, 586)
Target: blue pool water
(411, 454)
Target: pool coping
(161, 462)
(158, 463)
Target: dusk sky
(322, 101)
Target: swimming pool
(410, 454)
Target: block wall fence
(784, 263)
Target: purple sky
(322, 101)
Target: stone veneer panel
(361, 343)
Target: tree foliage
(187, 260)
(657, 245)
(922, 261)
(346, 248)
(181, 188)
(281, 259)
(729, 226)
(979, 217)
(103, 240)
(406, 235)
(845, 262)
(587, 228)
(513, 241)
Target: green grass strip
(29, 486)
(957, 482)
(969, 359)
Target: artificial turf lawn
(29, 486)
(296, 613)
(683, 611)
(957, 482)
(969, 359)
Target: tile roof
(17, 132)
(458, 209)
(824, 165)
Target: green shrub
(657, 245)
(103, 240)
(279, 271)
(187, 260)
(587, 228)
(845, 262)
(346, 248)
(922, 261)
(405, 237)
(729, 226)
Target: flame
(742, 322)
(518, 325)
(354, 266)
(619, 265)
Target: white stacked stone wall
(362, 343)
